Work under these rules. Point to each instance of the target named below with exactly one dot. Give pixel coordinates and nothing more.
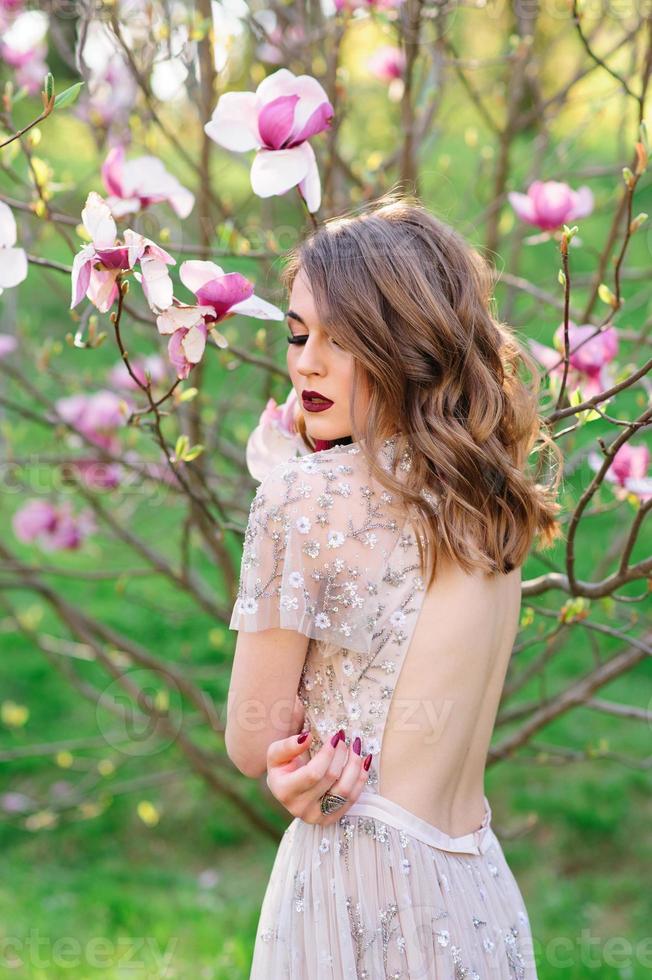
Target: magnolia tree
(189, 143)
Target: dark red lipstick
(313, 401)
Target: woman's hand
(299, 785)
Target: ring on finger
(331, 802)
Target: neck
(329, 443)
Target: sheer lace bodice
(328, 552)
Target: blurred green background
(170, 876)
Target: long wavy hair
(412, 300)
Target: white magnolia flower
(13, 261)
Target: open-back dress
(417, 673)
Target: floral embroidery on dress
(361, 899)
(323, 555)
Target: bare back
(446, 698)
(415, 672)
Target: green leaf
(188, 394)
(68, 95)
(575, 398)
(193, 453)
(606, 295)
(181, 446)
(590, 415)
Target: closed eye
(301, 338)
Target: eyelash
(301, 339)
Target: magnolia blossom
(219, 295)
(13, 261)
(135, 184)
(119, 376)
(387, 63)
(52, 526)
(8, 343)
(23, 47)
(110, 95)
(10, 6)
(277, 120)
(628, 471)
(97, 416)
(280, 42)
(97, 266)
(588, 364)
(549, 204)
(275, 438)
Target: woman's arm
(262, 698)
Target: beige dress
(411, 882)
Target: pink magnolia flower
(13, 261)
(8, 343)
(219, 295)
(628, 471)
(97, 266)
(97, 416)
(53, 527)
(110, 95)
(12, 802)
(277, 120)
(275, 438)
(550, 204)
(280, 42)
(187, 330)
(387, 63)
(135, 184)
(11, 6)
(119, 376)
(24, 48)
(94, 473)
(588, 364)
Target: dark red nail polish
(357, 745)
(303, 736)
(335, 739)
(367, 762)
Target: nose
(310, 360)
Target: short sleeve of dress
(315, 551)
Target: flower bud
(637, 222)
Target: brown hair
(411, 299)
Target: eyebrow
(295, 316)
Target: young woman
(378, 604)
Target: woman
(381, 583)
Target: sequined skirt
(382, 893)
